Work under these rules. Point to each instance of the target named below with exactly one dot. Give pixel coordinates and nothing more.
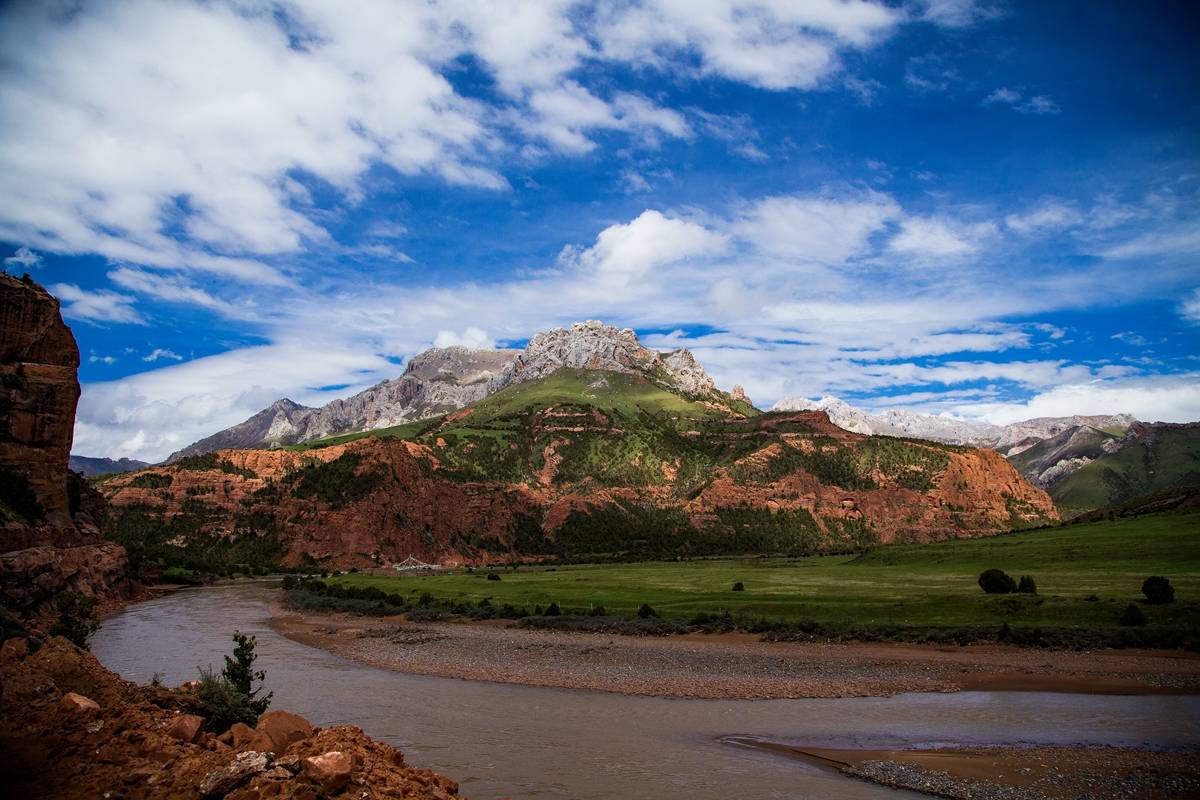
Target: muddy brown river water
(499, 740)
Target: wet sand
(728, 666)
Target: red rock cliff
(48, 535)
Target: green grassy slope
(1170, 456)
(930, 585)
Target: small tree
(76, 622)
(553, 610)
(1027, 586)
(231, 697)
(646, 612)
(1158, 590)
(739, 587)
(996, 581)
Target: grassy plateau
(1086, 576)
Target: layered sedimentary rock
(48, 540)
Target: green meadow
(1086, 575)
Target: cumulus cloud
(1190, 307)
(624, 253)
(826, 230)
(96, 305)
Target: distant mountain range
(93, 467)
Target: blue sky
(981, 208)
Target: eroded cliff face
(796, 482)
(49, 540)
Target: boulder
(185, 728)
(244, 766)
(14, 649)
(77, 704)
(329, 770)
(239, 734)
(276, 730)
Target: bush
(996, 581)
(646, 612)
(76, 622)
(1132, 615)
(1158, 590)
(1027, 586)
(492, 576)
(739, 587)
(553, 610)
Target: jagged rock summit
(444, 379)
(896, 422)
(594, 345)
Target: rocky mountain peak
(594, 345)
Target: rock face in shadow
(49, 540)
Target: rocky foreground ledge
(70, 728)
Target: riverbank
(727, 666)
(1012, 773)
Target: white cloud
(163, 353)
(24, 258)
(98, 359)
(1190, 308)
(1048, 218)
(826, 230)
(957, 13)
(96, 305)
(174, 289)
(940, 238)
(1037, 104)
(471, 337)
(625, 253)
(1162, 398)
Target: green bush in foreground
(1027, 585)
(739, 587)
(996, 581)
(645, 611)
(1158, 590)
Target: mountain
(438, 380)
(49, 540)
(572, 462)
(1149, 458)
(1054, 458)
(1020, 436)
(93, 467)
(445, 379)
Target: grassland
(1086, 575)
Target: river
(529, 742)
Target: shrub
(996, 581)
(553, 610)
(75, 622)
(739, 587)
(1027, 586)
(492, 576)
(1158, 590)
(1132, 615)
(645, 611)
